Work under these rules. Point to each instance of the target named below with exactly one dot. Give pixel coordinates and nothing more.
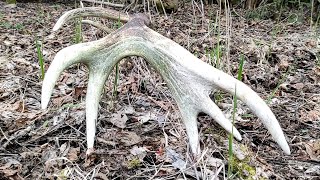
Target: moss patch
(11, 1)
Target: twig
(105, 3)
(97, 25)
(4, 135)
(18, 134)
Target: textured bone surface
(189, 79)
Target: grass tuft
(40, 57)
(230, 160)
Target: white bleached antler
(190, 80)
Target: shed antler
(190, 80)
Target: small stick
(106, 3)
(97, 25)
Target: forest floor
(139, 131)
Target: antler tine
(216, 78)
(259, 108)
(66, 57)
(90, 12)
(62, 60)
(213, 110)
(97, 79)
(251, 99)
(189, 118)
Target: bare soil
(140, 134)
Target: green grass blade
(230, 163)
(240, 67)
(40, 58)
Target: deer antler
(190, 80)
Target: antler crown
(189, 79)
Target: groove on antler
(189, 79)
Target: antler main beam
(189, 79)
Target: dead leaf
(237, 150)
(317, 71)
(140, 152)
(128, 110)
(214, 162)
(119, 119)
(310, 116)
(11, 168)
(176, 159)
(159, 103)
(73, 154)
(78, 92)
(90, 159)
(298, 86)
(9, 85)
(7, 43)
(313, 170)
(30, 154)
(284, 62)
(101, 176)
(64, 148)
(313, 149)
(3, 61)
(129, 138)
(10, 6)
(21, 122)
(311, 43)
(202, 31)
(147, 117)
(59, 101)
(103, 141)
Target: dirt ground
(140, 134)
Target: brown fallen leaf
(310, 116)
(59, 101)
(297, 86)
(284, 62)
(101, 176)
(90, 159)
(129, 138)
(106, 142)
(11, 169)
(3, 61)
(51, 160)
(128, 110)
(64, 149)
(313, 149)
(317, 71)
(78, 92)
(146, 117)
(119, 119)
(73, 154)
(140, 152)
